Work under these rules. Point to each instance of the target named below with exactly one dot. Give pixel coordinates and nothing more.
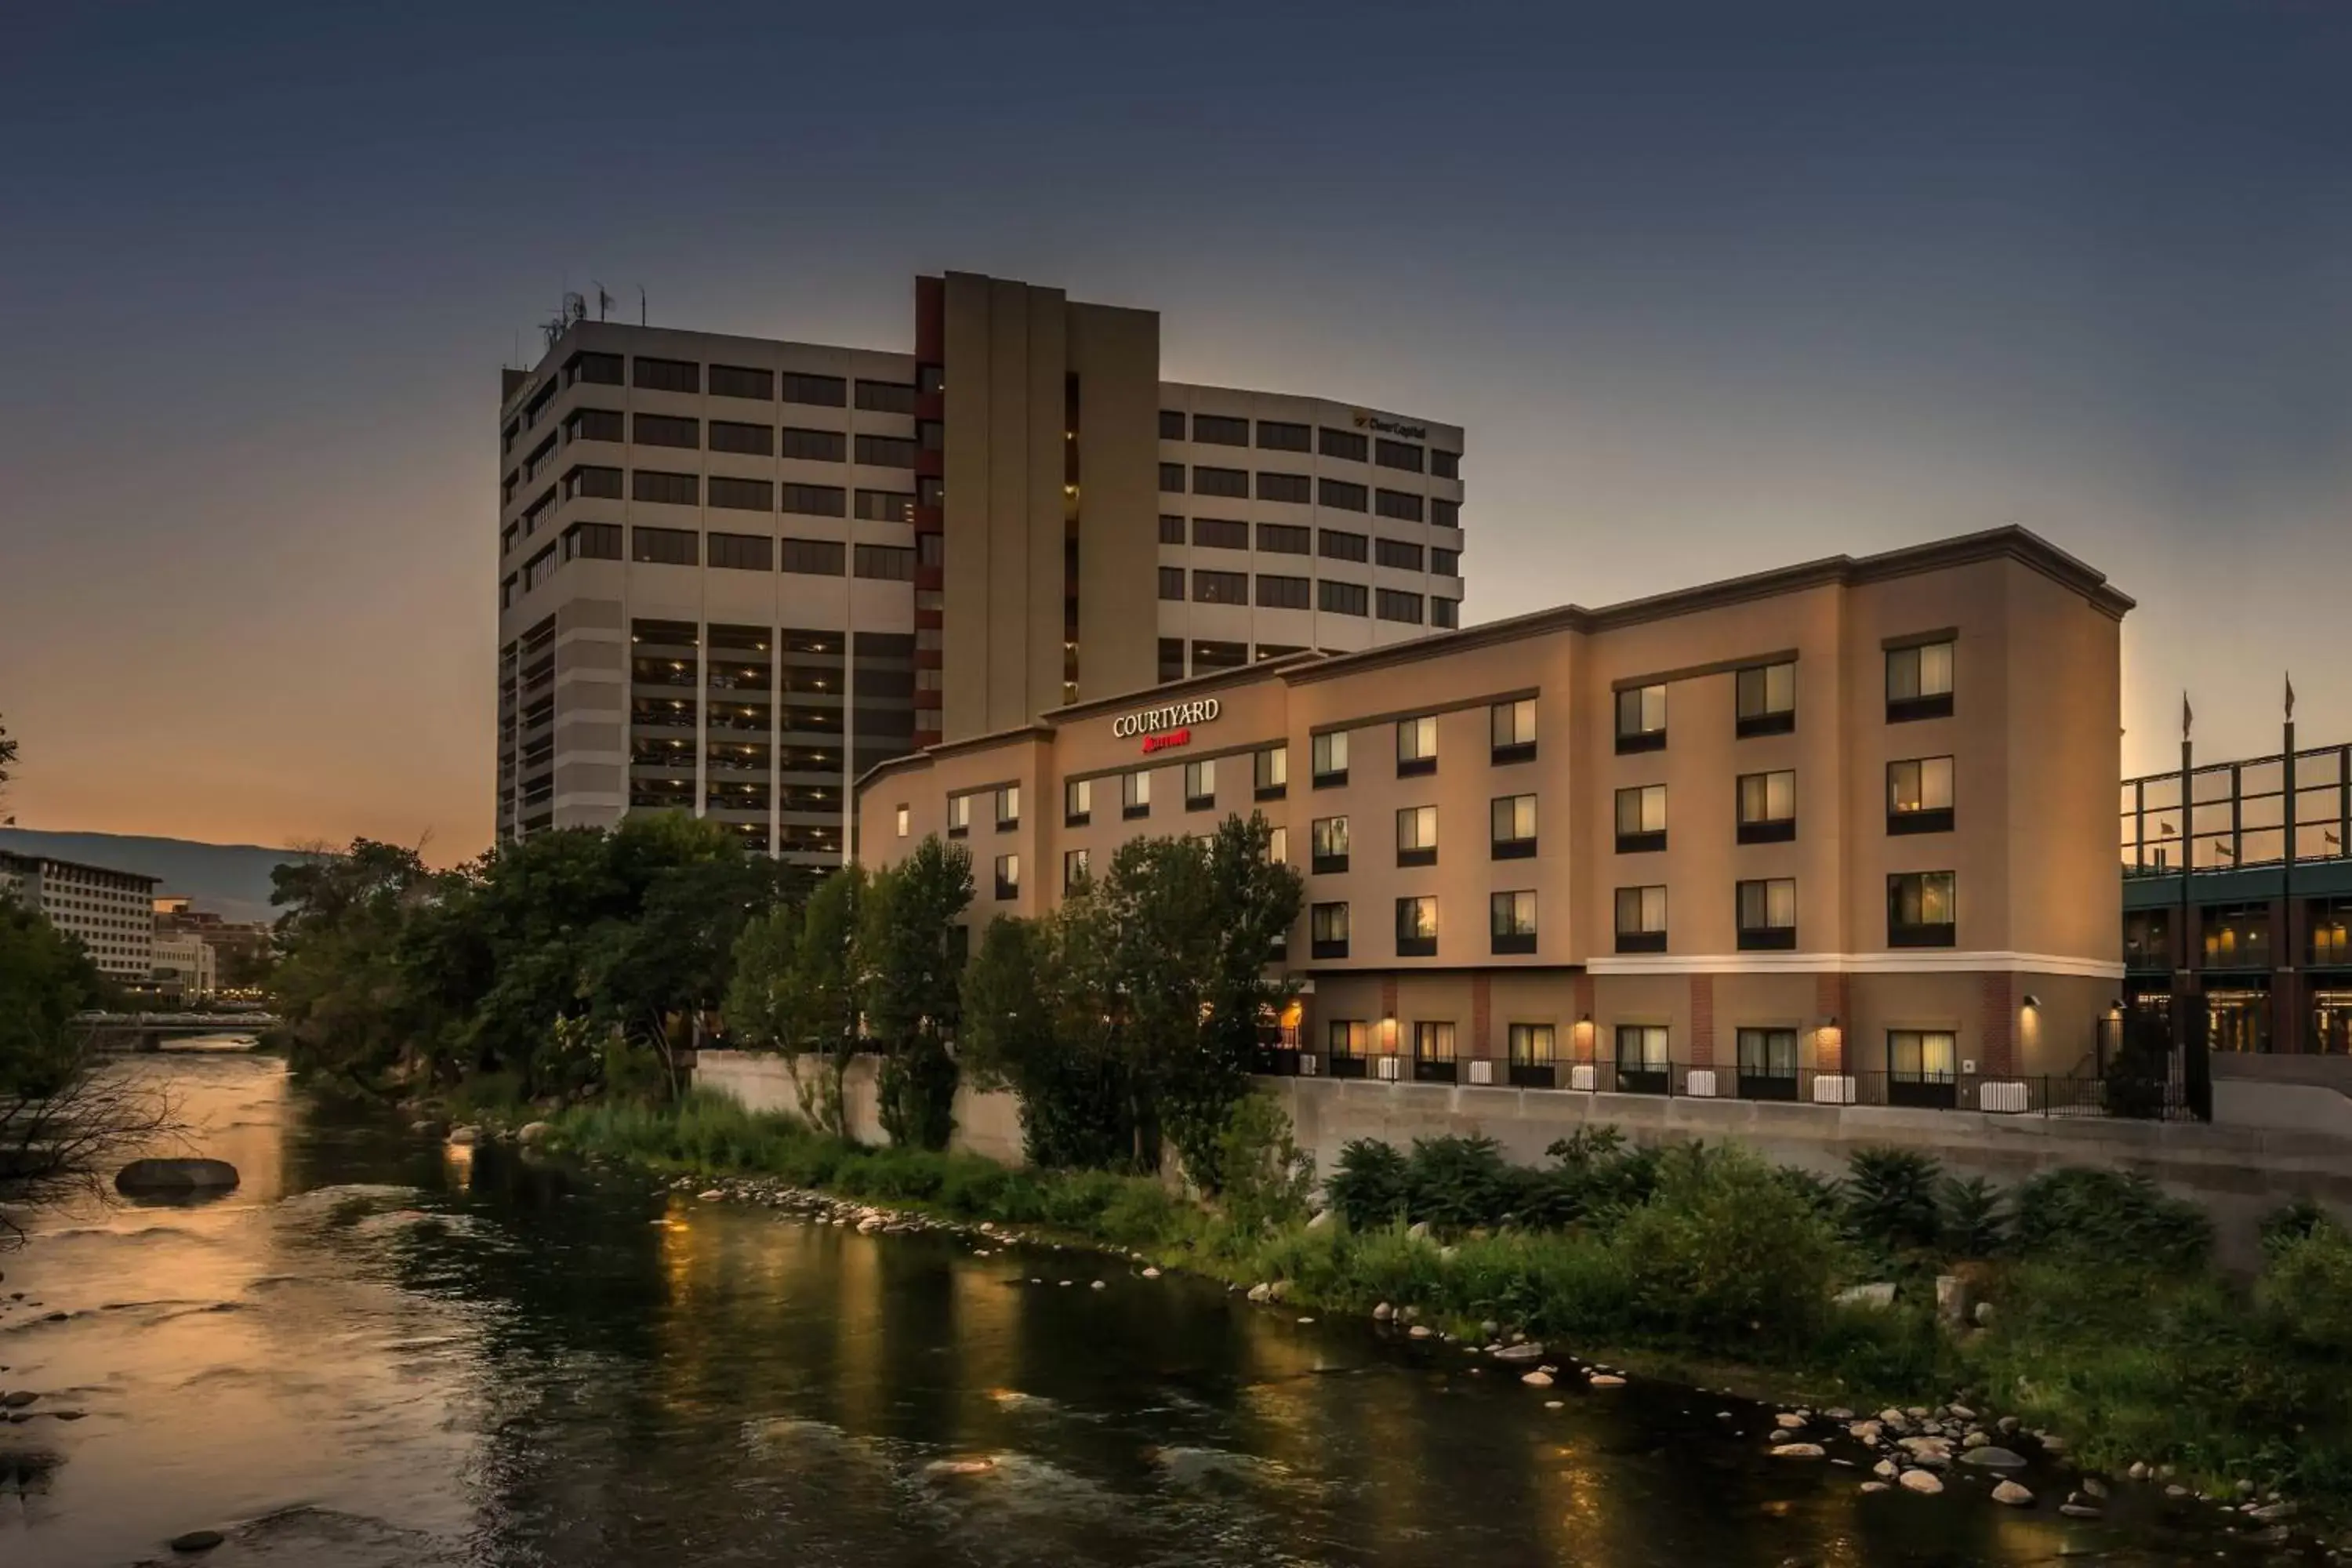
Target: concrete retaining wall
(986, 1124)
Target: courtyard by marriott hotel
(1839, 832)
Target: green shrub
(1723, 1252)
(2109, 1216)
(1972, 1218)
(1369, 1186)
(2306, 1288)
(2292, 1223)
(1268, 1177)
(1595, 1177)
(1457, 1182)
(1890, 1200)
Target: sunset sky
(1713, 288)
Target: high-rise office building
(734, 573)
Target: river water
(380, 1351)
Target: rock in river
(196, 1541)
(1992, 1457)
(175, 1176)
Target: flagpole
(2287, 1011)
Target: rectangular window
(1172, 586)
(1342, 496)
(600, 370)
(1921, 1055)
(1445, 465)
(1201, 786)
(1283, 593)
(1284, 539)
(1171, 528)
(931, 491)
(1219, 430)
(1920, 910)
(738, 380)
(1768, 1064)
(906, 814)
(1919, 796)
(751, 440)
(1073, 870)
(1767, 700)
(1171, 649)
(664, 430)
(1345, 443)
(1208, 481)
(1445, 613)
(1337, 544)
(818, 391)
(1768, 914)
(885, 562)
(1399, 505)
(1270, 772)
(668, 374)
(1513, 825)
(1768, 808)
(742, 551)
(1172, 478)
(815, 500)
(1643, 1063)
(1008, 876)
(1277, 849)
(930, 549)
(1171, 428)
(1220, 587)
(1350, 1037)
(603, 425)
(1397, 606)
(1919, 682)
(1397, 552)
(886, 452)
(1343, 598)
(1432, 1042)
(665, 546)
(592, 541)
(1511, 730)
(1416, 927)
(1533, 1044)
(743, 495)
(959, 815)
(1642, 719)
(1008, 807)
(1277, 436)
(1444, 513)
(885, 506)
(885, 396)
(1209, 656)
(1642, 919)
(814, 557)
(1331, 758)
(1513, 916)
(1446, 563)
(815, 446)
(670, 490)
(1078, 803)
(540, 568)
(1416, 835)
(1135, 793)
(1326, 929)
(1329, 846)
(1404, 454)
(1294, 489)
(1220, 534)
(1641, 819)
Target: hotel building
(112, 913)
(735, 574)
(1837, 832)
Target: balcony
(1430, 1070)
(1534, 1075)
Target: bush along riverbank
(2076, 1323)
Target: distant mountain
(231, 880)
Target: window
(1008, 876)
(886, 452)
(742, 551)
(930, 549)
(603, 425)
(1172, 586)
(1416, 927)
(1328, 846)
(1172, 478)
(1445, 613)
(1008, 807)
(1766, 700)
(1444, 563)
(1277, 436)
(819, 391)
(1533, 1044)
(1343, 598)
(815, 446)
(931, 491)
(906, 816)
(1920, 909)
(1514, 919)
(1220, 587)
(1768, 808)
(1512, 826)
(1398, 553)
(1341, 495)
(1919, 796)
(886, 563)
(1171, 428)
(1768, 1064)
(1921, 1055)
(736, 381)
(1344, 444)
(813, 557)
(1445, 465)
(1209, 656)
(1641, 819)
(1201, 786)
(1283, 593)
(1284, 539)
(1328, 762)
(1768, 914)
(1432, 1042)
(743, 495)
(885, 396)
(1444, 513)
(1350, 1037)
(592, 541)
(1171, 528)
(540, 568)
(1327, 931)
(1078, 803)
(1400, 506)
(602, 370)
(663, 430)
(753, 440)
(815, 500)
(1511, 730)
(1416, 835)
(1220, 534)
(1075, 864)
(1135, 793)
(1397, 455)
(959, 815)
(1642, 1064)
(1642, 719)
(1337, 544)
(1292, 487)
(665, 546)
(1220, 430)
(670, 490)
(1416, 745)
(1270, 772)
(1278, 846)
(1171, 649)
(2236, 936)
(1207, 481)
(1641, 920)
(668, 374)
(1919, 682)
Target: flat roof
(19, 857)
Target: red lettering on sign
(1161, 743)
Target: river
(380, 1351)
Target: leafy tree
(819, 1001)
(1027, 1026)
(340, 985)
(46, 978)
(910, 944)
(7, 766)
(1253, 903)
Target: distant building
(240, 949)
(185, 965)
(111, 912)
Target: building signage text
(1168, 726)
(1391, 426)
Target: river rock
(1925, 1482)
(1866, 1432)
(197, 1541)
(2272, 1513)
(1605, 1380)
(2079, 1510)
(1261, 1292)
(1798, 1451)
(1384, 1312)
(175, 1176)
(1993, 1457)
(18, 1398)
(1526, 1349)
(1417, 1231)
(1320, 1219)
(1881, 1294)
(1887, 1469)
(1536, 1379)
(1151, 1273)
(1789, 1421)
(1420, 1331)
(534, 1133)
(2013, 1495)
(1875, 1486)
(465, 1137)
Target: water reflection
(378, 1351)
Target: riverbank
(2207, 1395)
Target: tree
(1036, 1021)
(910, 943)
(7, 766)
(1255, 902)
(820, 995)
(340, 987)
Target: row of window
(1282, 435)
(1919, 800)
(1919, 686)
(1279, 593)
(730, 436)
(1302, 490)
(745, 381)
(1644, 1050)
(733, 494)
(1294, 539)
(743, 551)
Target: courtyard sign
(1168, 726)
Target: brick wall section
(1702, 1005)
(2000, 1058)
(1830, 1001)
(1482, 1015)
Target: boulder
(1536, 1379)
(2013, 1495)
(1881, 1294)
(1384, 1312)
(1321, 1218)
(1261, 1292)
(1789, 1421)
(1151, 1273)
(1925, 1482)
(1526, 1349)
(1993, 1457)
(1864, 1432)
(1417, 1231)
(465, 1137)
(1798, 1451)
(176, 1176)
(1605, 1380)
(1887, 1469)
(534, 1133)
(196, 1541)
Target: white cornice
(1910, 961)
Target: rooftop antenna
(641, 304)
(603, 300)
